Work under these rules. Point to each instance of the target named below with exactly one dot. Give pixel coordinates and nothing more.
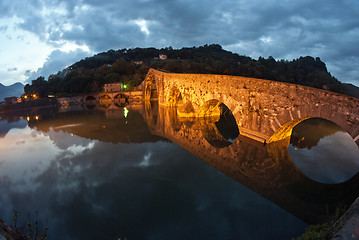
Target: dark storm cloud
(282, 29)
(57, 61)
(11, 69)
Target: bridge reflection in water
(265, 168)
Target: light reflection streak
(68, 126)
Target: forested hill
(130, 66)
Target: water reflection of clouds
(5, 126)
(123, 189)
(64, 140)
(23, 157)
(26, 154)
(146, 160)
(335, 159)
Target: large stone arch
(283, 123)
(285, 131)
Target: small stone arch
(121, 100)
(90, 98)
(218, 125)
(105, 97)
(90, 102)
(105, 100)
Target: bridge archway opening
(90, 102)
(174, 97)
(121, 100)
(218, 125)
(323, 151)
(105, 101)
(90, 98)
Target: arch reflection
(266, 169)
(323, 151)
(218, 125)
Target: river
(140, 172)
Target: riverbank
(127, 97)
(347, 227)
(33, 104)
(341, 227)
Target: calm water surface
(141, 174)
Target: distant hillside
(351, 90)
(14, 90)
(130, 66)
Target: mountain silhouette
(14, 90)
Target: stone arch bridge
(264, 110)
(106, 97)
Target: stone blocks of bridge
(260, 107)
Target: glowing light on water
(125, 112)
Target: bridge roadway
(265, 111)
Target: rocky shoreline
(347, 227)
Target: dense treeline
(90, 74)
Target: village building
(11, 100)
(113, 87)
(163, 56)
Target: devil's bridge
(264, 110)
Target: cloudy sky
(41, 37)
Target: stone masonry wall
(261, 106)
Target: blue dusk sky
(41, 37)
